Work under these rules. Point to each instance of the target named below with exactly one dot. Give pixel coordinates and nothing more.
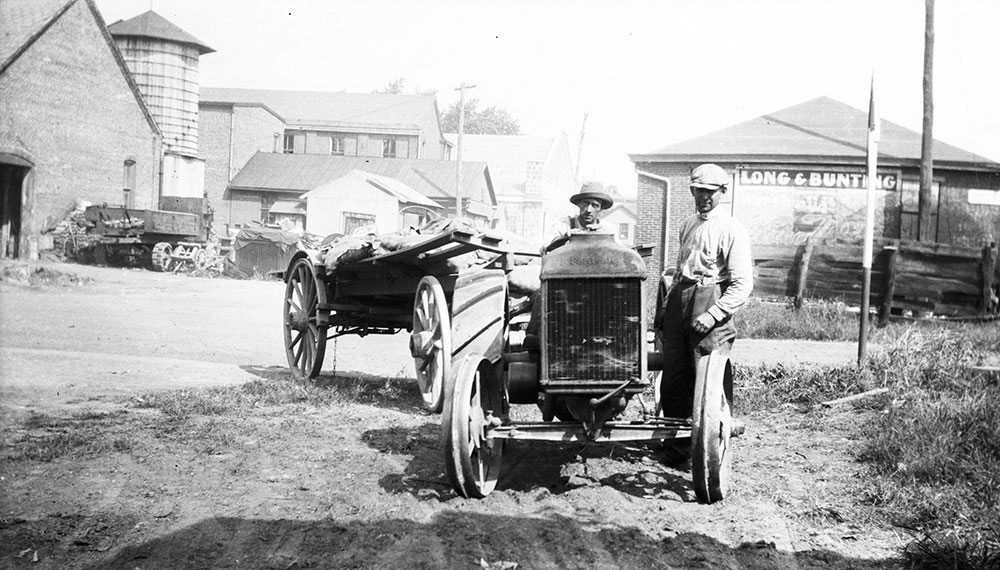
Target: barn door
(11, 185)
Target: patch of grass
(769, 387)
(44, 438)
(816, 320)
(278, 391)
(932, 444)
(954, 551)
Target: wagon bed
(449, 290)
(376, 294)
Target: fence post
(890, 283)
(803, 273)
(987, 267)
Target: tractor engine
(592, 336)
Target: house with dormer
(533, 178)
(236, 124)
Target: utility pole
(579, 150)
(461, 127)
(925, 207)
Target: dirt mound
(40, 276)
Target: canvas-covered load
(364, 243)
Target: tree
(394, 87)
(489, 121)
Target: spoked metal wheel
(711, 453)
(306, 320)
(430, 342)
(472, 460)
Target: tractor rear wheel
(711, 430)
(473, 407)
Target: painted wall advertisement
(789, 206)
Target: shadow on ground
(451, 540)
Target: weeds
(816, 320)
(954, 551)
(278, 391)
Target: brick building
(533, 177)
(800, 174)
(237, 123)
(73, 123)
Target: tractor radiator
(594, 337)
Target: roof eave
(884, 161)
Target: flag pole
(866, 262)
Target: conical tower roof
(152, 25)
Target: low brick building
(799, 174)
(73, 123)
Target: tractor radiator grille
(594, 331)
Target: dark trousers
(682, 346)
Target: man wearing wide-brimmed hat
(712, 280)
(591, 201)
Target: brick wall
(215, 126)
(66, 106)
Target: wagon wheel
(306, 320)
(430, 342)
(472, 460)
(161, 257)
(711, 453)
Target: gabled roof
(507, 155)
(25, 21)
(401, 192)
(619, 207)
(404, 114)
(435, 179)
(820, 129)
(152, 25)
(294, 207)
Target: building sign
(789, 206)
(815, 179)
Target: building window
(623, 231)
(337, 145)
(289, 145)
(909, 210)
(388, 148)
(355, 220)
(265, 207)
(128, 183)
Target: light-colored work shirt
(715, 248)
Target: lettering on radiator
(593, 261)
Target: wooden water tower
(163, 60)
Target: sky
(645, 73)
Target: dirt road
(358, 483)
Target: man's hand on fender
(703, 323)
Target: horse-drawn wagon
(582, 355)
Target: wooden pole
(800, 286)
(579, 150)
(925, 208)
(461, 128)
(866, 263)
(885, 311)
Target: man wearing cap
(712, 280)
